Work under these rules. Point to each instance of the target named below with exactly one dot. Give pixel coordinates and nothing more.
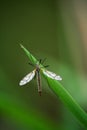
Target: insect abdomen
(39, 82)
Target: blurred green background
(47, 28)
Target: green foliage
(68, 100)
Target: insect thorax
(37, 67)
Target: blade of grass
(61, 92)
(31, 57)
(68, 100)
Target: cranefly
(36, 73)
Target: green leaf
(64, 95)
(31, 57)
(68, 100)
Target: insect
(36, 73)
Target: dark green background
(48, 29)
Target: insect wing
(27, 78)
(52, 75)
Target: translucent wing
(52, 75)
(27, 78)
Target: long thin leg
(46, 66)
(40, 61)
(31, 64)
(43, 60)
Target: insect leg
(46, 66)
(31, 64)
